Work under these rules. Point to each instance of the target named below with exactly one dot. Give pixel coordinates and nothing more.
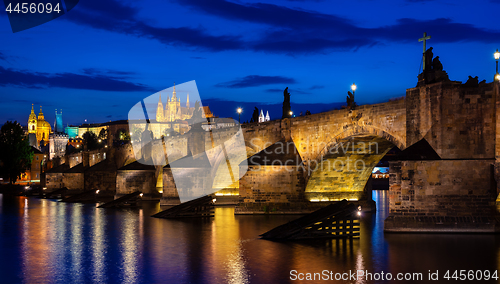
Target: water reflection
(99, 247)
(53, 242)
(227, 246)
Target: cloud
(38, 80)
(256, 80)
(3, 56)
(316, 87)
(287, 31)
(295, 30)
(294, 91)
(116, 17)
(119, 74)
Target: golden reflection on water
(227, 246)
(36, 255)
(76, 241)
(99, 247)
(129, 247)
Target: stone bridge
(448, 166)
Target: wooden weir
(200, 207)
(126, 200)
(56, 193)
(336, 221)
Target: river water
(45, 241)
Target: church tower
(32, 121)
(159, 111)
(58, 123)
(268, 118)
(261, 116)
(43, 128)
(187, 101)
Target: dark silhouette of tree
(136, 135)
(122, 134)
(90, 139)
(16, 153)
(103, 134)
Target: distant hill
(224, 108)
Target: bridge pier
(447, 183)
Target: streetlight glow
(353, 87)
(497, 77)
(291, 113)
(497, 56)
(239, 110)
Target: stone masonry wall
(457, 120)
(441, 188)
(272, 184)
(104, 181)
(128, 181)
(54, 181)
(73, 180)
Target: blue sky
(101, 58)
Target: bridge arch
(342, 168)
(352, 131)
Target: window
(37, 158)
(36, 175)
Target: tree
(136, 135)
(16, 153)
(90, 139)
(103, 134)
(122, 134)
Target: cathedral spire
(187, 101)
(159, 110)
(174, 97)
(40, 115)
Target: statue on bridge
(436, 64)
(428, 59)
(351, 104)
(255, 115)
(286, 104)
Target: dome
(43, 124)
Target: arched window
(32, 127)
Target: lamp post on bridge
(353, 88)
(239, 110)
(497, 56)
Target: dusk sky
(101, 58)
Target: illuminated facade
(39, 126)
(173, 110)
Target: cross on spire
(426, 37)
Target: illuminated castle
(173, 110)
(39, 126)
